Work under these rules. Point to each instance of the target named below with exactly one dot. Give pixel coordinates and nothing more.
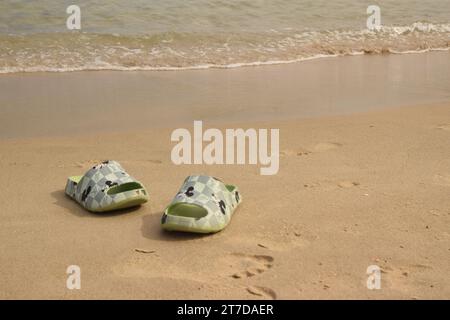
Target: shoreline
(233, 65)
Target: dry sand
(353, 190)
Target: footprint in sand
(445, 127)
(326, 146)
(88, 163)
(249, 265)
(295, 152)
(283, 240)
(155, 161)
(403, 277)
(331, 185)
(263, 292)
(320, 147)
(147, 263)
(311, 185)
(20, 164)
(442, 180)
(347, 184)
(143, 162)
(80, 164)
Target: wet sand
(46, 104)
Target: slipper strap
(91, 191)
(208, 193)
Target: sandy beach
(364, 179)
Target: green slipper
(106, 187)
(203, 205)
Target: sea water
(190, 34)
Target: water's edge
(65, 52)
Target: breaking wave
(63, 52)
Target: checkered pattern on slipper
(209, 193)
(92, 190)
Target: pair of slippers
(204, 204)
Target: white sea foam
(185, 51)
